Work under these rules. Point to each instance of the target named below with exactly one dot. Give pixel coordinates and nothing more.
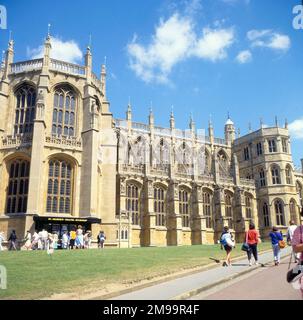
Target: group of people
(252, 239)
(43, 240)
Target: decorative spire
(239, 132)
(276, 121)
(261, 123)
(249, 127)
(210, 121)
(191, 122)
(48, 30)
(151, 115)
(286, 124)
(129, 111)
(103, 78)
(172, 118)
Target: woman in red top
(252, 239)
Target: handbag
(245, 245)
(295, 273)
(282, 244)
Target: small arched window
(279, 209)
(159, 206)
(59, 187)
(228, 204)
(265, 210)
(64, 111)
(288, 174)
(248, 206)
(133, 203)
(25, 109)
(18, 186)
(208, 208)
(184, 207)
(275, 173)
(300, 192)
(262, 178)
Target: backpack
(223, 240)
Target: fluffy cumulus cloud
(269, 39)
(244, 57)
(62, 50)
(176, 40)
(296, 129)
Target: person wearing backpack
(276, 237)
(227, 243)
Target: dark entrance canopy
(63, 220)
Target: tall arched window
(159, 206)
(25, 109)
(293, 211)
(262, 178)
(223, 164)
(228, 204)
(132, 203)
(248, 206)
(18, 187)
(59, 188)
(208, 208)
(279, 213)
(265, 215)
(184, 202)
(275, 173)
(288, 175)
(64, 112)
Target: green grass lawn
(34, 274)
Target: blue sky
(201, 56)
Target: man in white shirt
(290, 233)
(44, 238)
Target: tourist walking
(28, 241)
(1, 240)
(35, 240)
(252, 238)
(72, 238)
(44, 239)
(55, 240)
(297, 244)
(290, 233)
(79, 238)
(227, 243)
(65, 240)
(87, 239)
(101, 239)
(276, 237)
(12, 240)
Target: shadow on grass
(216, 260)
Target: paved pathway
(267, 283)
(179, 287)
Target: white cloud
(213, 44)
(175, 40)
(244, 57)
(269, 39)
(68, 51)
(296, 129)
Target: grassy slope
(34, 274)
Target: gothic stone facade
(64, 159)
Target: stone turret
(230, 131)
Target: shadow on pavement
(216, 260)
